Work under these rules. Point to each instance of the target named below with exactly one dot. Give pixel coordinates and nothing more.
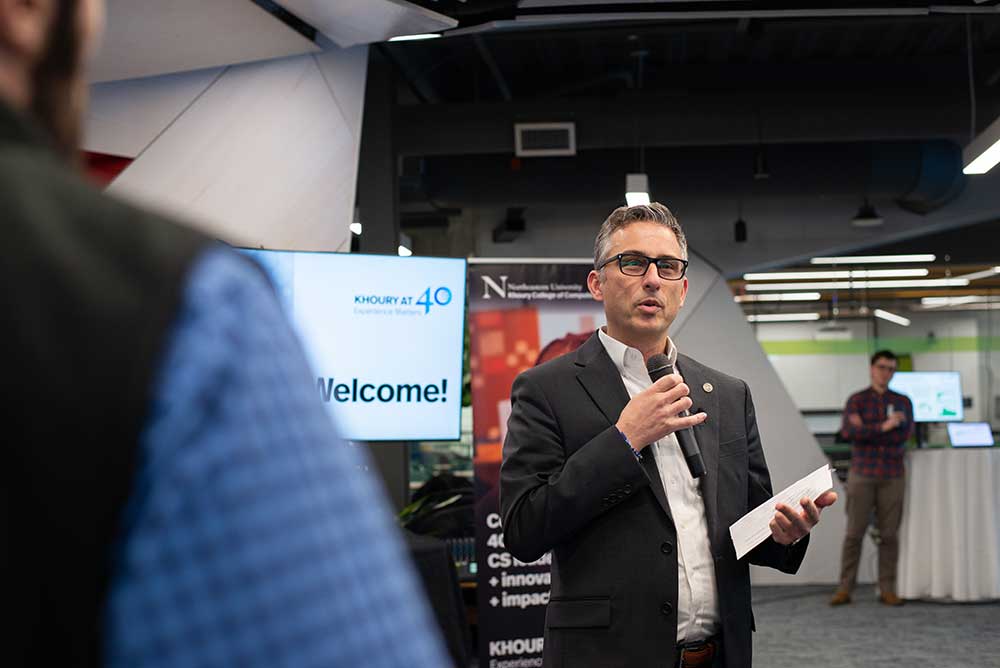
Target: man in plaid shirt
(878, 422)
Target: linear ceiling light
(873, 259)
(783, 317)
(861, 285)
(983, 152)
(986, 273)
(780, 297)
(413, 38)
(857, 273)
(938, 302)
(891, 317)
(979, 306)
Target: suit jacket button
(666, 548)
(628, 488)
(666, 609)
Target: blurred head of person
(45, 46)
(882, 369)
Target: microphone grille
(659, 366)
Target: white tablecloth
(950, 538)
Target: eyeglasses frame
(649, 261)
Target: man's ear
(594, 285)
(24, 28)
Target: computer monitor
(384, 336)
(936, 395)
(970, 434)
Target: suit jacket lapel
(601, 380)
(707, 434)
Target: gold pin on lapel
(707, 387)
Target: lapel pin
(707, 387)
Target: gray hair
(623, 216)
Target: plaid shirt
(877, 454)
(254, 535)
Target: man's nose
(652, 277)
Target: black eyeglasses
(633, 264)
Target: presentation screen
(936, 395)
(970, 434)
(384, 336)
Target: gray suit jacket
(568, 483)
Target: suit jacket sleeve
(785, 558)
(547, 495)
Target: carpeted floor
(797, 628)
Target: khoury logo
(429, 298)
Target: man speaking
(643, 570)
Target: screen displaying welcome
(384, 336)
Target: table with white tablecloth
(950, 537)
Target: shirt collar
(629, 360)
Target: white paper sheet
(753, 528)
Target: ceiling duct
(932, 167)
(928, 173)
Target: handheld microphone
(659, 366)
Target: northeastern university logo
(417, 304)
(499, 287)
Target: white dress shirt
(697, 598)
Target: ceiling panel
(352, 22)
(150, 37)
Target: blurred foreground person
(174, 493)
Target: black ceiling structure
(723, 47)
(827, 98)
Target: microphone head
(659, 366)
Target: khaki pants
(886, 497)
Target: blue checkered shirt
(255, 536)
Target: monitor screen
(936, 395)
(970, 434)
(384, 336)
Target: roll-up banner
(521, 313)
